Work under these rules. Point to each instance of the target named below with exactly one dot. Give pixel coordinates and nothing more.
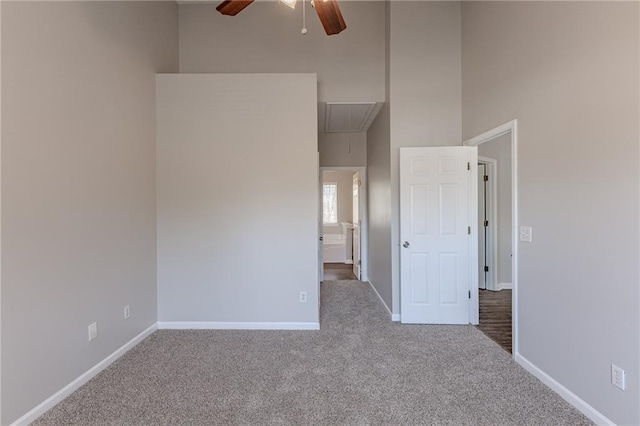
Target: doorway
(497, 245)
(343, 223)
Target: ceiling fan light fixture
(290, 3)
(328, 12)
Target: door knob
(405, 244)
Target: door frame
(510, 127)
(364, 217)
(320, 220)
(357, 266)
(492, 209)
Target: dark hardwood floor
(495, 316)
(338, 271)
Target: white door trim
(512, 128)
(319, 198)
(364, 215)
(492, 242)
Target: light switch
(525, 234)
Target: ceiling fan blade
(233, 7)
(330, 16)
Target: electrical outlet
(127, 312)
(93, 331)
(618, 377)
(303, 297)
(525, 234)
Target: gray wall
(568, 71)
(424, 92)
(345, 198)
(266, 37)
(379, 187)
(500, 150)
(237, 203)
(78, 185)
(343, 149)
(379, 198)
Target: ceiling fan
(327, 10)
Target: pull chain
(304, 19)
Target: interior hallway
(338, 271)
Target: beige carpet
(359, 369)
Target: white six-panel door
(438, 231)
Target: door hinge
(486, 268)
(486, 223)
(469, 230)
(468, 165)
(486, 178)
(469, 294)
(359, 262)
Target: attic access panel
(342, 117)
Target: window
(330, 203)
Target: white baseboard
(57, 397)
(394, 317)
(573, 399)
(504, 286)
(214, 325)
(348, 262)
